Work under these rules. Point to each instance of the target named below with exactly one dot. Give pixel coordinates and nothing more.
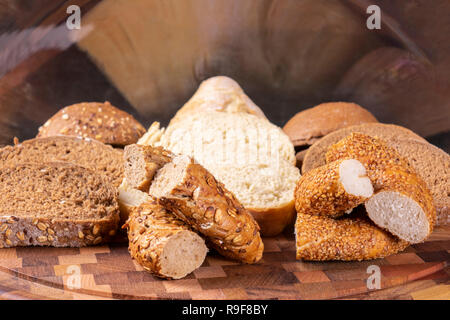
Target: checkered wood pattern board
(107, 272)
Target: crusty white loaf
(219, 94)
(252, 157)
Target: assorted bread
(402, 203)
(193, 194)
(95, 120)
(252, 157)
(220, 176)
(56, 204)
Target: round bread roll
(309, 125)
(95, 120)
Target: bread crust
(95, 120)
(33, 230)
(320, 238)
(309, 125)
(150, 226)
(315, 156)
(205, 204)
(219, 94)
(273, 221)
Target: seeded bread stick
(333, 189)
(163, 244)
(196, 197)
(320, 238)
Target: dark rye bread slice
(85, 152)
(315, 156)
(56, 204)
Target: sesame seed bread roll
(402, 203)
(142, 163)
(333, 189)
(196, 197)
(163, 244)
(320, 238)
(101, 121)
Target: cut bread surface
(399, 214)
(85, 152)
(57, 191)
(56, 204)
(353, 177)
(163, 244)
(183, 253)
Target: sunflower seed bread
(101, 121)
(85, 152)
(192, 193)
(56, 204)
(163, 244)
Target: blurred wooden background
(148, 57)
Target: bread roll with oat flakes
(163, 244)
(196, 197)
(320, 238)
(402, 203)
(333, 189)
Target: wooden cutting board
(421, 271)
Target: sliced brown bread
(95, 120)
(56, 204)
(309, 125)
(163, 244)
(402, 203)
(433, 166)
(315, 156)
(85, 152)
